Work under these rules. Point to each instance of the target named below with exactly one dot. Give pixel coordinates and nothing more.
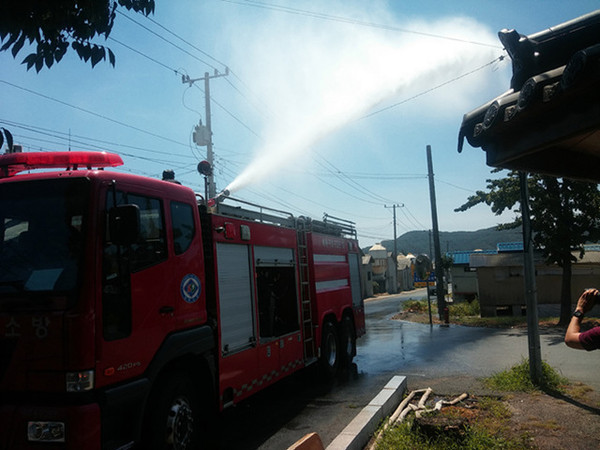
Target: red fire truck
(130, 308)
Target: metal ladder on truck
(310, 351)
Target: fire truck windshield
(42, 224)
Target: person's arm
(584, 304)
(573, 332)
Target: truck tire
(330, 351)
(174, 419)
(347, 342)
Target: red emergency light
(13, 163)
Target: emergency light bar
(13, 163)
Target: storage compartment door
(235, 297)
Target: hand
(587, 300)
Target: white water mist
(317, 76)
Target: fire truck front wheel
(330, 351)
(174, 419)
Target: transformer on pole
(203, 133)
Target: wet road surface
(282, 414)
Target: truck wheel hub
(180, 424)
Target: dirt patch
(556, 422)
(535, 420)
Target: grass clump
(456, 310)
(517, 379)
(464, 309)
(418, 306)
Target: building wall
(502, 289)
(405, 279)
(464, 283)
(367, 280)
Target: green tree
(54, 25)
(564, 216)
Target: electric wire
(331, 17)
(427, 91)
(454, 185)
(66, 136)
(352, 183)
(154, 60)
(166, 40)
(92, 113)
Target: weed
(517, 378)
(464, 309)
(578, 390)
(418, 306)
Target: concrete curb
(358, 432)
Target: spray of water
(316, 77)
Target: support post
(212, 191)
(533, 334)
(439, 271)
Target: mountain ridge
(421, 241)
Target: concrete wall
(464, 283)
(502, 291)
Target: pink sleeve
(590, 339)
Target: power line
(87, 111)
(145, 56)
(66, 136)
(185, 41)
(166, 40)
(330, 17)
(192, 46)
(500, 58)
(352, 183)
(454, 185)
(414, 220)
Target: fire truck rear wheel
(174, 419)
(330, 351)
(347, 341)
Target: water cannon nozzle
(219, 198)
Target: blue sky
(328, 106)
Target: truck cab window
(182, 217)
(41, 238)
(151, 247)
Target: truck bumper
(81, 426)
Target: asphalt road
(282, 414)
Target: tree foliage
(564, 216)
(54, 26)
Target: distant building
(367, 276)
(463, 276)
(405, 266)
(500, 279)
(384, 269)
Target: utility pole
(212, 192)
(395, 243)
(439, 271)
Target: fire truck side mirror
(124, 224)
